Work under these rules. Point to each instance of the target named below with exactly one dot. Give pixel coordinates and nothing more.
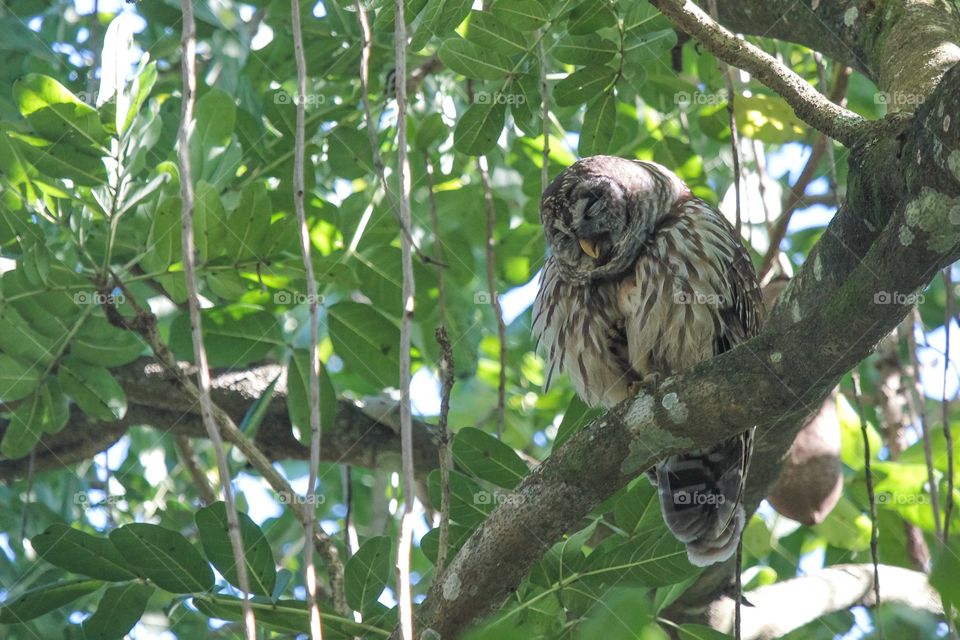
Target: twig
(189, 459)
(313, 491)
(796, 196)
(918, 403)
(189, 88)
(825, 90)
(352, 542)
(947, 433)
(24, 513)
(446, 460)
(809, 105)
(446, 368)
(545, 116)
(406, 427)
(792, 200)
(858, 399)
(738, 586)
(732, 119)
(378, 166)
(437, 243)
(492, 290)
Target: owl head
(600, 212)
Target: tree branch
(809, 104)
(834, 588)
(363, 435)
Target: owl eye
(590, 209)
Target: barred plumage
(645, 278)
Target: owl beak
(589, 248)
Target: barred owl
(645, 279)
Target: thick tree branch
(782, 607)
(810, 105)
(904, 46)
(902, 231)
(361, 436)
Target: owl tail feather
(704, 552)
(700, 498)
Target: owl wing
(696, 296)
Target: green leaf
(470, 504)
(367, 572)
(163, 556)
(57, 114)
(637, 511)
(249, 226)
(644, 561)
(119, 611)
(946, 568)
(526, 15)
(82, 553)
(590, 16)
(367, 342)
(440, 17)
(163, 242)
(699, 632)
(479, 128)
(768, 119)
(588, 49)
(210, 225)
(142, 85)
(599, 123)
(28, 422)
(488, 458)
(93, 389)
(291, 616)
(487, 31)
(431, 132)
(234, 335)
(17, 378)
(60, 159)
(846, 527)
(36, 602)
(349, 153)
(255, 413)
(216, 116)
(641, 47)
(472, 61)
(298, 396)
(581, 86)
(851, 435)
(215, 538)
(100, 343)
